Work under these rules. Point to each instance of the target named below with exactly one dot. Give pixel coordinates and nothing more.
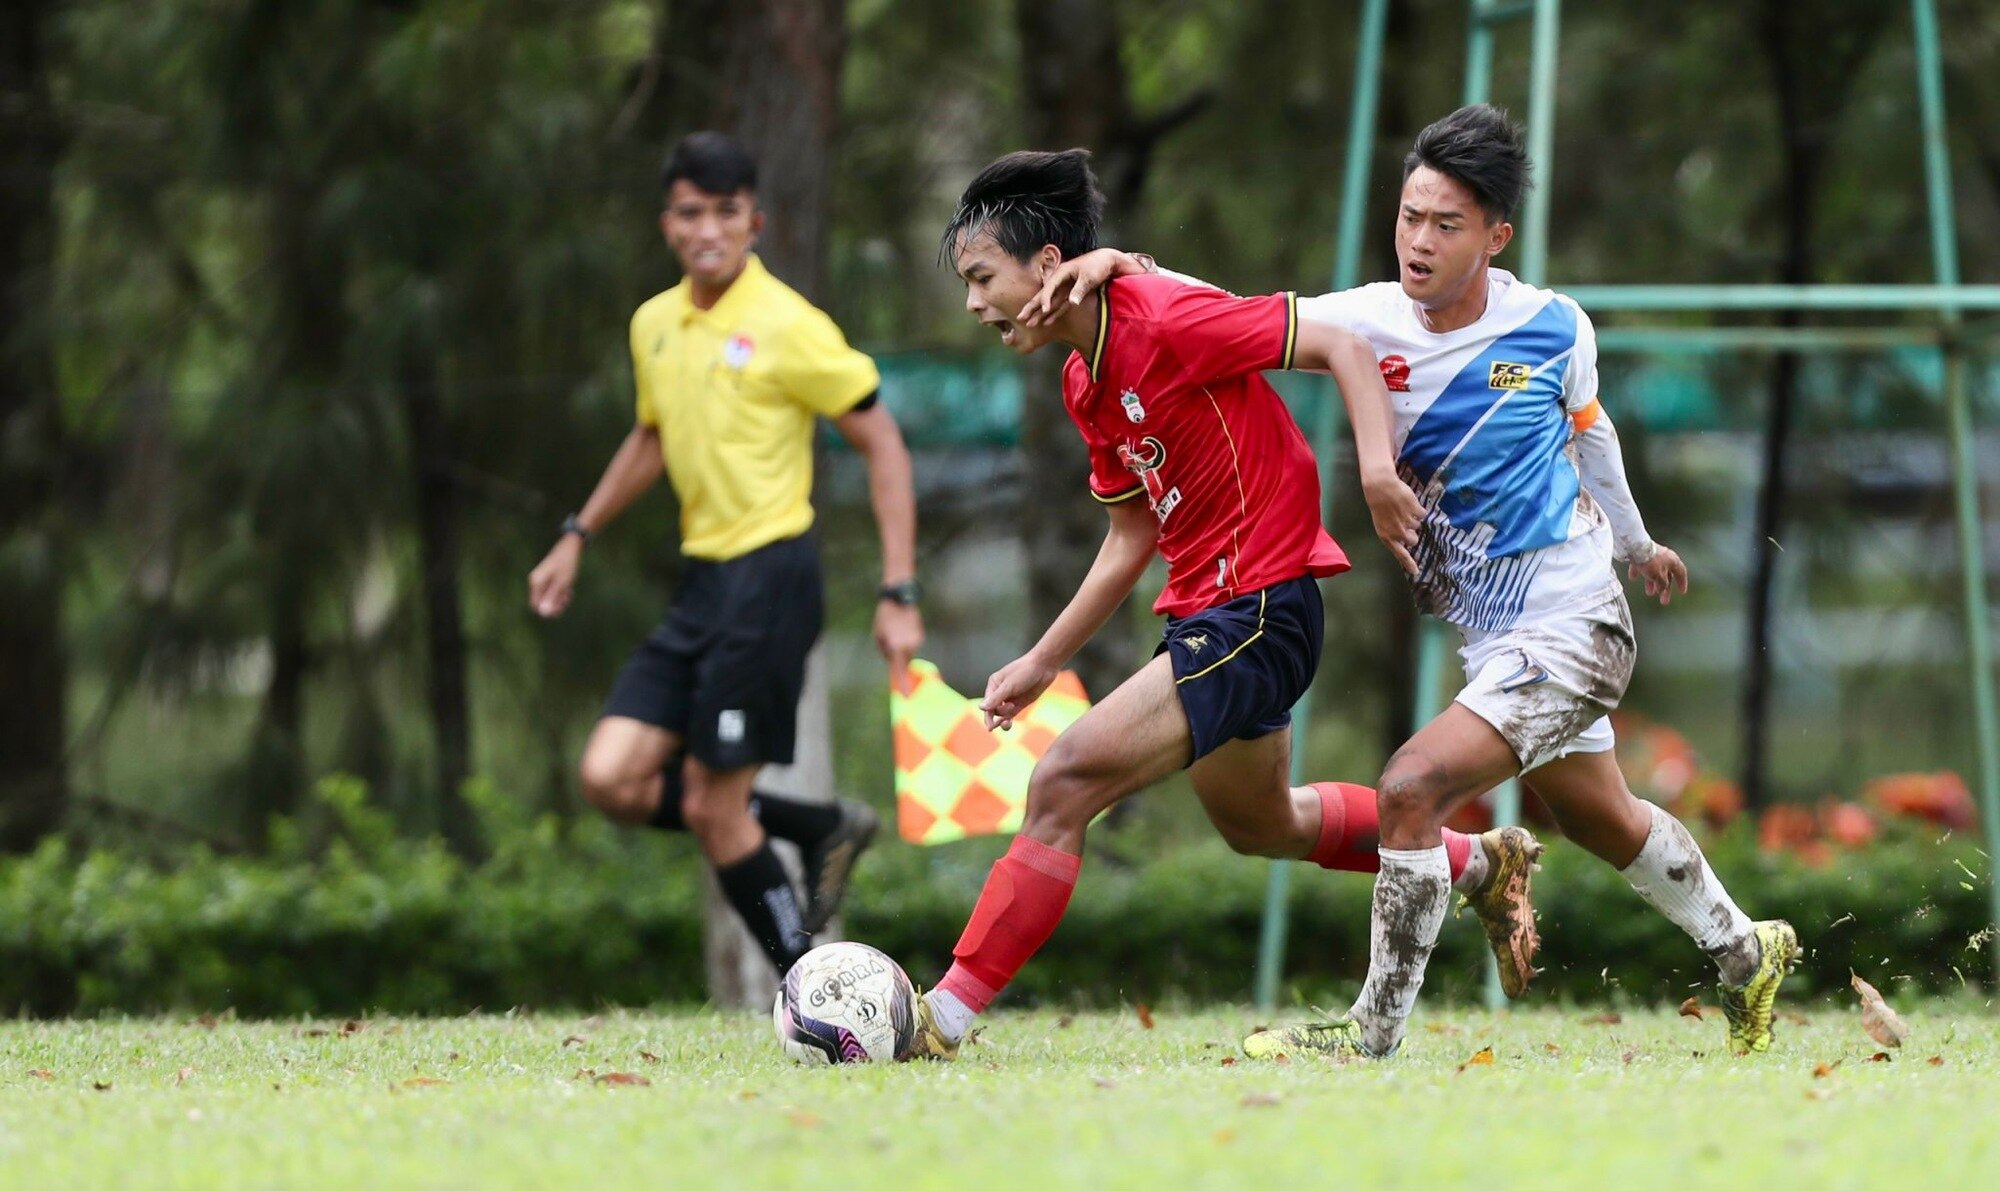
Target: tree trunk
(438, 519)
(33, 671)
(767, 72)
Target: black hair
(1480, 148)
(715, 162)
(1029, 199)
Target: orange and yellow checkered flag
(953, 777)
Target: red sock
(1350, 832)
(1024, 898)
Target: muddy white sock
(1673, 876)
(953, 1016)
(1478, 866)
(1410, 896)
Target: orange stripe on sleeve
(1583, 419)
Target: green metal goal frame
(1948, 298)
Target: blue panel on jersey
(1501, 450)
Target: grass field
(1045, 1102)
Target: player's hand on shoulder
(1663, 572)
(1080, 278)
(1012, 687)
(1397, 514)
(551, 583)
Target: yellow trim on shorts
(1262, 596)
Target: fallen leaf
(1881, 1022)
(1261, 1100)
(206, 1021)
(423, 1081)
(1880, 1056)
(1819, 1093)
(1445, 1028)
(102, 1085)
(1106, 1084)
(585, 1073)
(278, 1087)
(1065, 1021)
(575, 1040)
(1285, 1059)
(649, 1056)
(1145, 1016)
(1552, 1048)
(802, 1118)
(1695, 1054)
(452, 1057)
(623, 1079)
(181, 1076)
(1229, 1060)
(1482, 1058)
(1224, 1136)
(1935, 1060)
(351, 1027)
(1629, 1055)
(1604, 1019)
(1825, 1069)
(746, 1095)
(1692, 1007)
(42, 1073)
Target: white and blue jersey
(1482, 431)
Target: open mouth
(1007, 330)
(1418, 270)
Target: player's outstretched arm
(1128, 547)
(635, 467)
(1079, 278)
(1321, 347)
(1600, 463)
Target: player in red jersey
(1194, 456)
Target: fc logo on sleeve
(1507, 376)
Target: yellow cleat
(1748, 1006)
(1333, 1039)
(1504, 907)
(926, 1040)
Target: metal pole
(1479, 50)
(1965, 471)
(1346, 271)
(1541, 140)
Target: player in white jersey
(1499, 430)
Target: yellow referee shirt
(733, 391)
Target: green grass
(1046, 1102)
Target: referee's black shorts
(724, 669)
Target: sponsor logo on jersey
(1133, 410)
(729, 727)
(1144, 459)
(737, 350)
(1508, 376)
(1396, 374)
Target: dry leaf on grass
(1880, 1056)
(101, 1085)
(1604, 1019)
(802, 1118)
(1145, 1016)
(1552, 1048)
(623, 1079)
(575, 1040)
(746, 1095)
(1106, 1084)
(1881, 1022)
(351, 1027)
(1825, 1069)
(1935, 1060)
(1065, 1021)
(649, 1056)
(1692, 1007)
(1445, 1028)
(423, 1081)
(42, 1073)
(181, 1076)
(206, 1021)
(1629, 1055)
(1229, 1060)
(1819, 1093)
(1261, 1100)
(1482, 1058)
(1224, 1136)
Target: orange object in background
(1940, 798)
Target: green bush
(583, 915)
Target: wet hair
(1029, 199)
(715, 162)
(1479, 148)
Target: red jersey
(1172, 405)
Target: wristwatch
(571, 525)
(906, 593)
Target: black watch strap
(906, 593)
(571, 525)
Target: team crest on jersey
(1507, 376)
(1396, 374)
(1133, 410)
(737, 351)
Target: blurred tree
(33, 673)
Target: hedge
(583, 915)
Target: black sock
(762, 894)
(667, 815)
(794, 819)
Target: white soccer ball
(845, 1003)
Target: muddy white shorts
(1547, 687)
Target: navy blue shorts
(1240, 666)
(725, 668)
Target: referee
(732, 367)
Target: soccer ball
(845, 1003)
